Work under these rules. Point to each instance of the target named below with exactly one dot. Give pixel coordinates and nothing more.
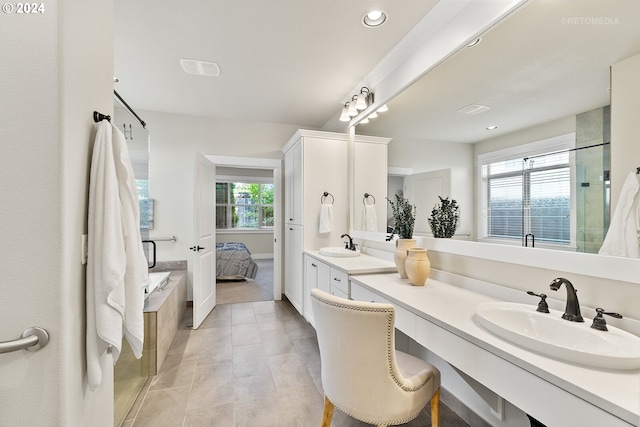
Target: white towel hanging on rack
(116, 267)
(369, 218)
(326, 218)
(623, 236)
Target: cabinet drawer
(340, 280)
(337, 292)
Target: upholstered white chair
(362, 373)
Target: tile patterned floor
(249, 364)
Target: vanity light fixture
(345, 117)
(373, 115)
(353, 111)
(365, 98)
(383, 109)
(374, 18)
(364, 121)
(492, 127)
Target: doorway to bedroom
(247, 217)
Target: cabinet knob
(313, 265)
(336, 279)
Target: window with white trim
(244, 205)
(527, 194)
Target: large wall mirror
(542, 76)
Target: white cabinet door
(293, 263)
(317, 275)
(293, 185)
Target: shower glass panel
(130, 374)
(565, 198)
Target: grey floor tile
(212, 416)
(251, 364)
(163, 408)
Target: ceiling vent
(474, 109)
(200, 68)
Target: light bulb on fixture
(363, 98)
(364, 121)
(373, 115)
(344, 117)
(383, 109)
(352, 106)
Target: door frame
(276, 166)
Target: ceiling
(281, 61)
(549, 60)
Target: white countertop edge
(362, 264)
(589, 384)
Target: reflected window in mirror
(552, 193)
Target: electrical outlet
(85, 248)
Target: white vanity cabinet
(317, 275)
(314, 163)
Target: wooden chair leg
(328, 412)
(435, 409)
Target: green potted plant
(404, 218)
(444, 218)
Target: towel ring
(325, 195)
(366, 196)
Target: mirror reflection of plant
(404, 216)
(444, 218)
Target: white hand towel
(137, 272)
(623, 236)
(326, 218)
(106, 261)
(369, 218)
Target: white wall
(57, 68)
(625, 149)
(174, 141)
(259, 244)
(426, 156)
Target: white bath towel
(326, 218)
(113, 258)
(137, 271)
(369, 218)
(623, 237)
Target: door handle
(196, 248)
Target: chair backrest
(357, 350)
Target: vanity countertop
(362, 264)
(452, 308)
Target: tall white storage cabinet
(314, 163)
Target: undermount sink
(339, 252)
(549, 334)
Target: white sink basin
(553, 336)
(339, 252)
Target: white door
(204, 221)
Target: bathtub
(156, 281)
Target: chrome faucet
(348, 245)
(572, 310)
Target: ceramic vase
(418, 266)
(402, 245)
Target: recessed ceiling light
(374, 18)
(475, 42)
(200, 68)
(492, 127)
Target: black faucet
(572, 310)
(348, 245)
